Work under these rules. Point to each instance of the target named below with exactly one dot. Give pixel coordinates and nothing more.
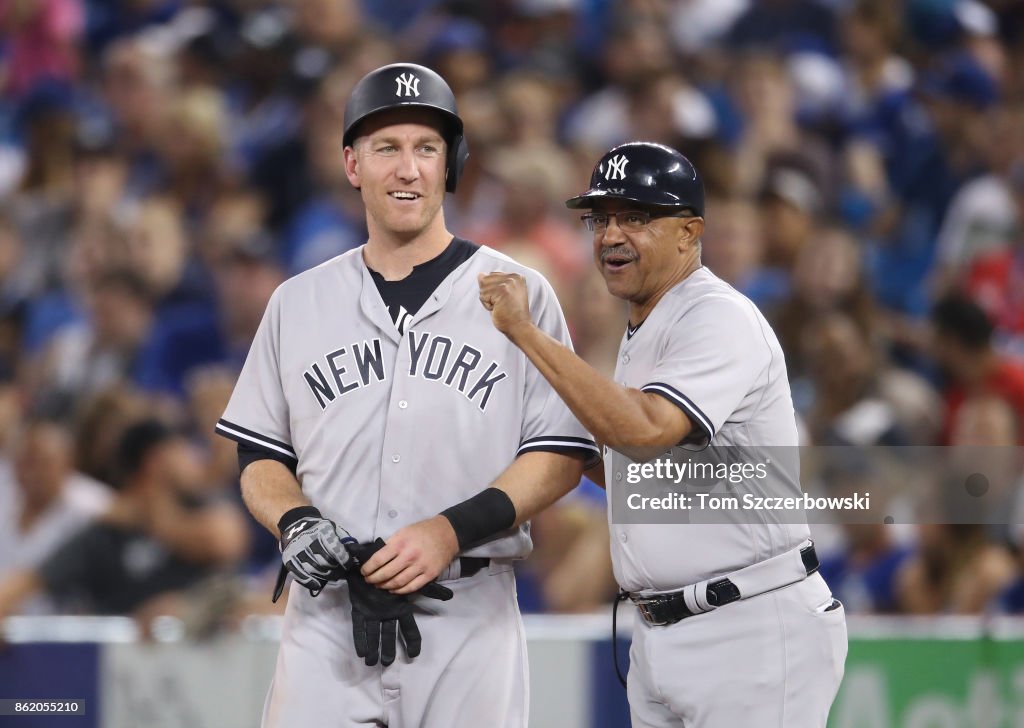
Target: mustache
(620, 251)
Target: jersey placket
(616, 472)
(402, 446)
(392, 469)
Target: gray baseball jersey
(387, 429)
(707, 349)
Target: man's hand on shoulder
(414, 556)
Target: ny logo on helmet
(616, 167)
(408, 85)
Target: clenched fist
(506, 297)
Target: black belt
(470, 565)
(659, 611)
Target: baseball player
(736, 628)
(378, 403)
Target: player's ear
(352, 166)
(690, 231)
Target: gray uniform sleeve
(257, 413)
(709, 360)
(548, 424)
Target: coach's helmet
(412, 85)
(650, 174)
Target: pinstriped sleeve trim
(240, 434)
(684, 403)
(565, 445)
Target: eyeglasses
(630, 221)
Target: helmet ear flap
(458, 153)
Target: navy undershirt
(405, 297)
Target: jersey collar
(373, 306)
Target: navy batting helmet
(410, 85)
(650, 174)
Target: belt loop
(809, 557)
(451, 572)
(701, 597)
(691, 599)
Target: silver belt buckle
(648, 617)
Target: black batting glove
(313, 549)
(378, 615)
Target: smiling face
(640, 266)
(398, 163)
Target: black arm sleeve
(249, 453)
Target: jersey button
(618, 476)
(625, 358)
(392, 513)
(623, 537)
(403, 404)
(396, 458)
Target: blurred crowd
(165, 164)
